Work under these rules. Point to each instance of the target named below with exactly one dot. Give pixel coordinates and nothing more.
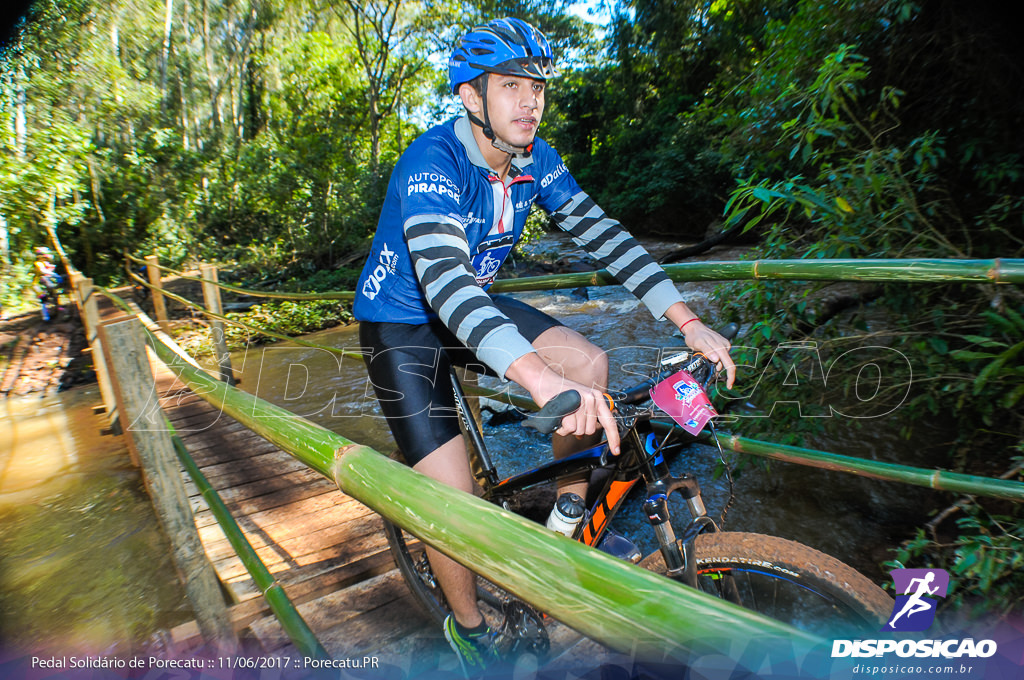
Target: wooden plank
(268, 512)
(309, 584)
(256, 468)
(330, 545)
(354, 621)
(302, 548)
(260, 487)
(279, 502)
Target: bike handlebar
(548, 418)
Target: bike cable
(728, 474)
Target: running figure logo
(917, 596)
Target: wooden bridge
(326, 549)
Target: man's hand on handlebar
(704, 340)
(544, 383)
(594, 410)
(712, 345)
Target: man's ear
(470, 98)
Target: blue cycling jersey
(448, 224)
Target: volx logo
(917, 591)
(387, 262)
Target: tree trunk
(5, 244)
(166, 55)
(215, 119)
(20, 126)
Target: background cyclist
(46, 281)
(456, 205)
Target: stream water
(84, 565)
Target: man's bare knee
(576, 357)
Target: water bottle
(566, 514)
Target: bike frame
(641, 458)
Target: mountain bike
(777, 577)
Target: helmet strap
(485, 124)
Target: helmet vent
(477, 51)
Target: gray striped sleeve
(441, 259)
(611, 245)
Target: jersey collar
(464, 133)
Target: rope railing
(327, 295)
(250, 327)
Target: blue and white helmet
(506, 46)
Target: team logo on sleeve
(490, 254)
(387, 261)
(554, 174)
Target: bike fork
(679, 555)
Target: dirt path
(41, 358)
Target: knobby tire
(787, 581)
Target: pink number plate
(681, 397)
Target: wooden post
(91, 319)
(159, 308)
(75, 283)
(145, 422)
(211, 294)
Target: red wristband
(690, 321)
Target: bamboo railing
(607, 599)
(613, 602)
(878, 270)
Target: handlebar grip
(550, 417)
(730, 331)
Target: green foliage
(291, 318)
(834, 166)
(985, 559)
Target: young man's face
(515, 105)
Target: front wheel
(787, 581)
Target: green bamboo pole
(939, 480)
(280, 604)
(615, 603)
(998, 270)
(879, 270)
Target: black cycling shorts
(409, 365)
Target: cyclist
(455, 207)
(46, 281)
